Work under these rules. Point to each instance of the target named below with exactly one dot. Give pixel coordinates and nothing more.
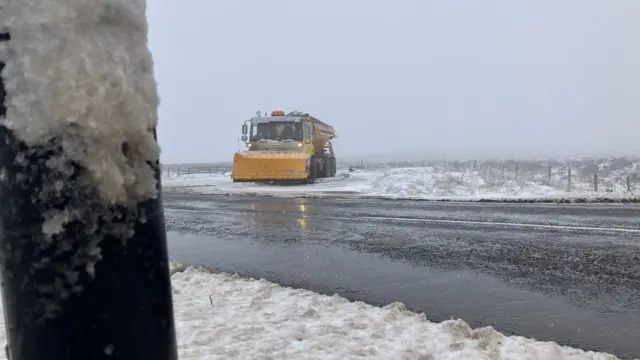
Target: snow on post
(82, 239)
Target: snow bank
(423, 183)
(221, 316)
(344, 183)
(432, 183)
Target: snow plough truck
(291, 148)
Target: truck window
(305, 129)
(276, 131)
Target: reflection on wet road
(566, 273)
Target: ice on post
(84, 257)
(80, 70)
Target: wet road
(568, 273)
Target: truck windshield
(276, 131)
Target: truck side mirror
(244, 138)
(312, 130)
(245, 129)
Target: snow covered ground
(431, 183)
(343, 183)
(223, 316)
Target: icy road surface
(565, 273)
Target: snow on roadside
(438, 184)
(424, 183)
(216, 184)
(222, 316)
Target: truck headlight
(299, 144)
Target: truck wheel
(326, 168)
(333, 167)
(313, 171)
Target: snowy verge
(404, 183)
(222, 316)
(219, 184)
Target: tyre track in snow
(569, 273)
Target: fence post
(629, 183)
(84, 275)
(516, 173)
(549, 174)
(595, 182)
(569, 181)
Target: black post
(83, 278)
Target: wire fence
(210, 169)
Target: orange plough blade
(269, 165)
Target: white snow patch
(222, 316)
(79, 71)
(426, 183)
(432, 183)
(54, 222)
(343, 183)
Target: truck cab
(279, 133)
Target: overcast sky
(403, 78)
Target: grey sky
(408, 78)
